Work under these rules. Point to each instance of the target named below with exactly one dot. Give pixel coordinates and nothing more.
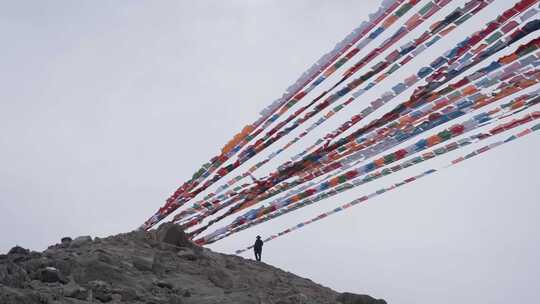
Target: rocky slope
(151, 267)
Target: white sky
(106, 107)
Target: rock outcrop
(156, 267)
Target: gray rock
(136, 268)
(351, 298)
(221, 279)
(128, 294)
(91, 268)
(143, 263)
(15, 296)
(174, 299)
(102, 297)
(65, 241)
(13, 275)
(295, 299)
(116, 298)
(164, 284)
(51, 275)
(103, 256)
(171, 234)
(72, 290)
(34, 265)
(187, 254)
(101, 291)
(19, 250)
(80, 241)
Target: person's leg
(256, 255)
(260, 255)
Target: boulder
(173, 235)
(80, 241)
(15, 296)
(299, 298)
(19, 250)
(91, 268)
(174, 299)
(51, 275)
(128, 294)
(13, 275)
(164, 284)
(187, 254)
(221, 279)
(351, 298)
(72, 290)
(101, 291)
(143, 263)
(65, 242)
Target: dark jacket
(258, 245)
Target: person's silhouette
(257, 248)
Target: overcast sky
(107, 106)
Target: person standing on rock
(257, 248)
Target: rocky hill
(157, 267)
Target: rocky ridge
(156, 267)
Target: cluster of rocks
(156, 267)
